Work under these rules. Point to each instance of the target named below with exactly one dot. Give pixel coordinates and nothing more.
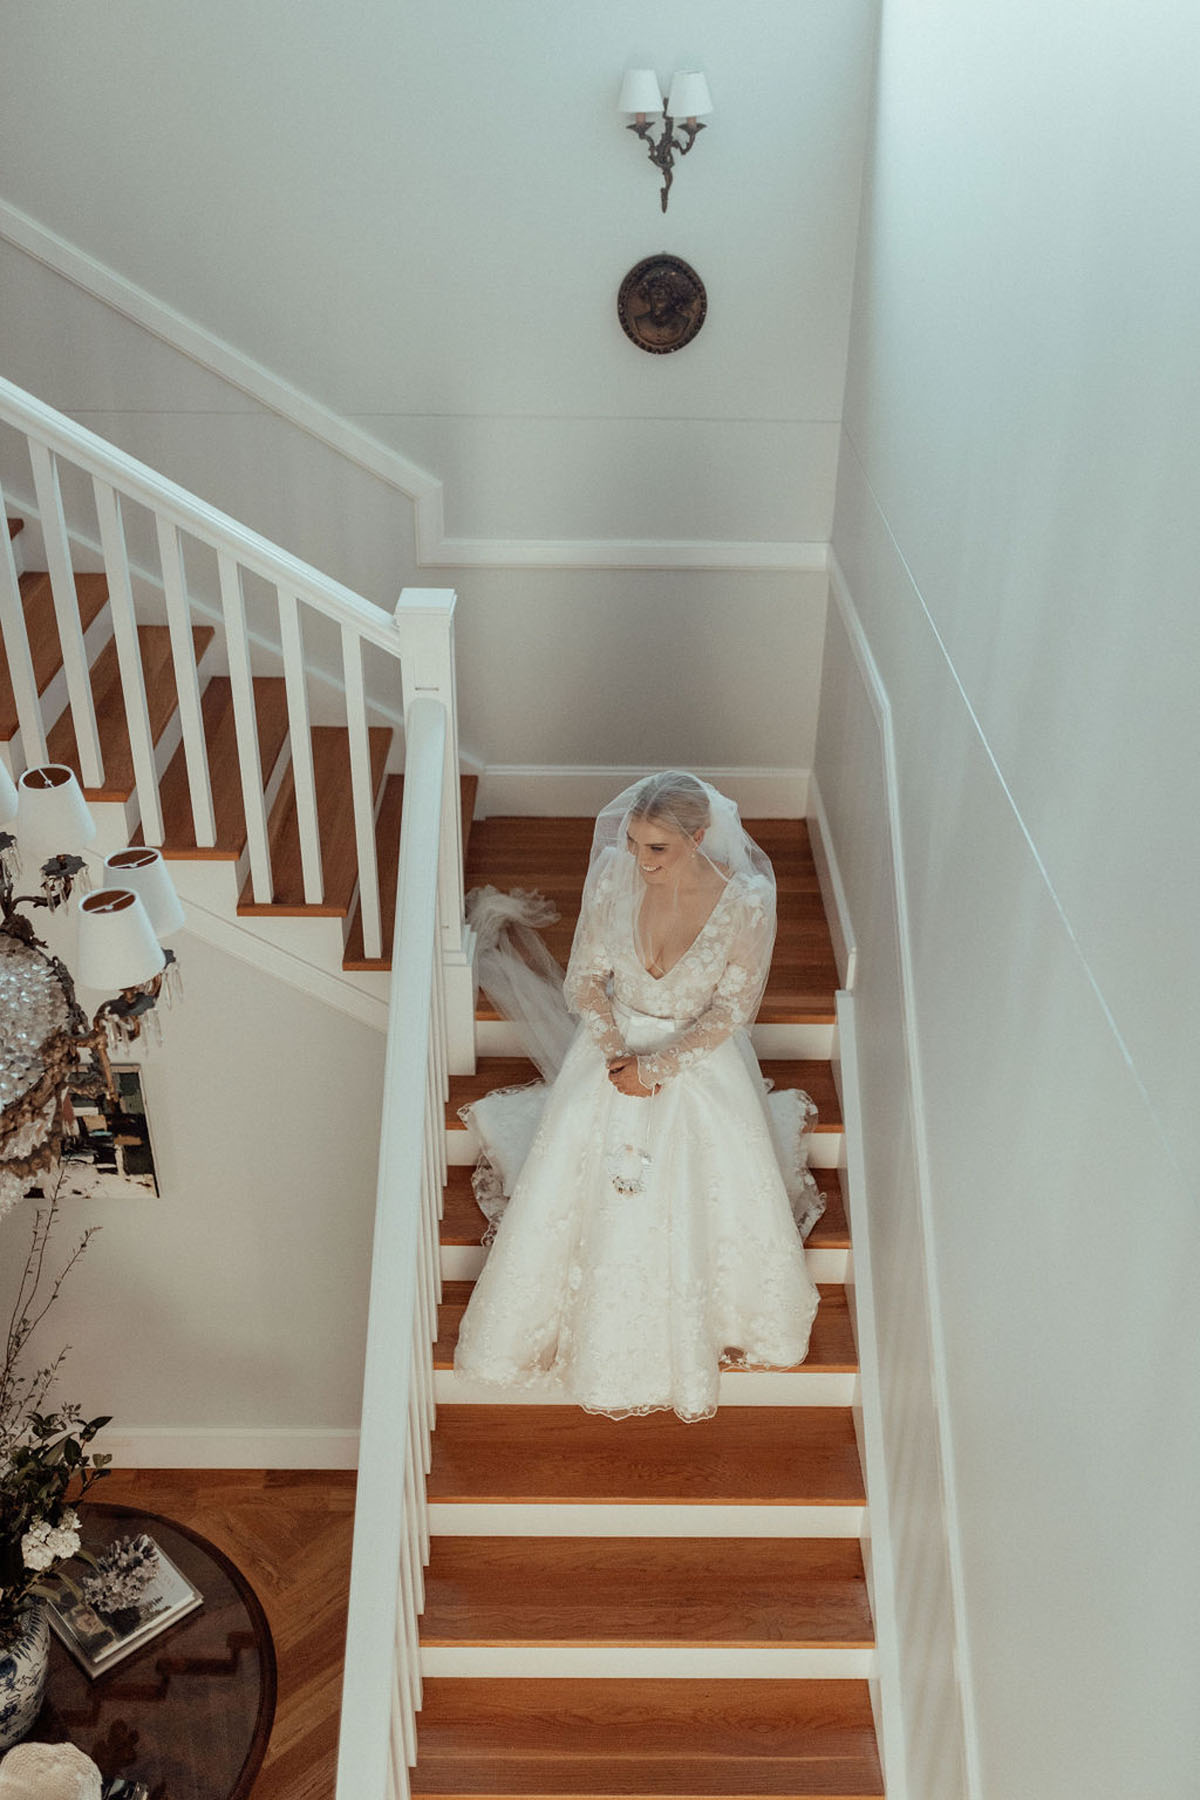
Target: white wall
(556, 666)
(421, 216)
(225, 1320)
(1017, 529)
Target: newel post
(425, 622)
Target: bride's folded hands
(623, 1073)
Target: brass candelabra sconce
(688, 103)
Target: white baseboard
(540, 792)
(218, 1447)
(833, 892)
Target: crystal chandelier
(49, 1046)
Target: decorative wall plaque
(661, 304)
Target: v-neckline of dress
(682, 957)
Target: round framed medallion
(661, 304)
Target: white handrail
(208, 524)
(381, 1686)
(419, 637)
(431, 1008)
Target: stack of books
(99, 1641)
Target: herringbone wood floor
(289, 1532)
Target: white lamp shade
(8, 798)
(144, 872)
(117, 945)
(52, 814)
(641, 92)
(689, 97)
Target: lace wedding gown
(639, 1244)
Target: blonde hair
(677, 799)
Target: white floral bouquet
(46, 1463)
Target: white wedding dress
(640, 1244)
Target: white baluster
(441, 1084)
(398, 1760)
(364, 795)
(303, 774)
(245, 718)
(420, 1398)
(409, 1646)
(66, 611)
(129, 657)
(187, 681)
(432, 1189)
(16, 649)
(415, 1484)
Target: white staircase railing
(431, 1006)
(381, 1690)
(419, 636)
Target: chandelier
(49, 1046)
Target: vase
(24, 1660)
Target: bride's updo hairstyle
(693, 808)
(677, 799)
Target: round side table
(190, 1713)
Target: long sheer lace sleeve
(737, 994)
(590, 968)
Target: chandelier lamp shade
(50, 1047)
(52, 814)
(117, 945)
(687, 105)
(143, 871)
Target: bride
(647, 1204)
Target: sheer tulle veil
(514, 967)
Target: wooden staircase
(331, 765)
(647, 1607)
(611, 1609)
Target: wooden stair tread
(816, 1078)
(37, 602)
(549, 1739)
(220, 736)
(335, 819)
(463, 1223)
(748, 1455)
(387, 851)
(15, 527)
(830, 1351)
(158, 669)
(767, 1592)
(551, 855)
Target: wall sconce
(689, 101)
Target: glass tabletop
(190, 1713)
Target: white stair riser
(738, 1387)
(463, 1262)
(462, 1149)
(647, 1662)
(808, 1043)
(611, 1519)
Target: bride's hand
(623, 1073)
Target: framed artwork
(661, 304)
(107, 1151)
